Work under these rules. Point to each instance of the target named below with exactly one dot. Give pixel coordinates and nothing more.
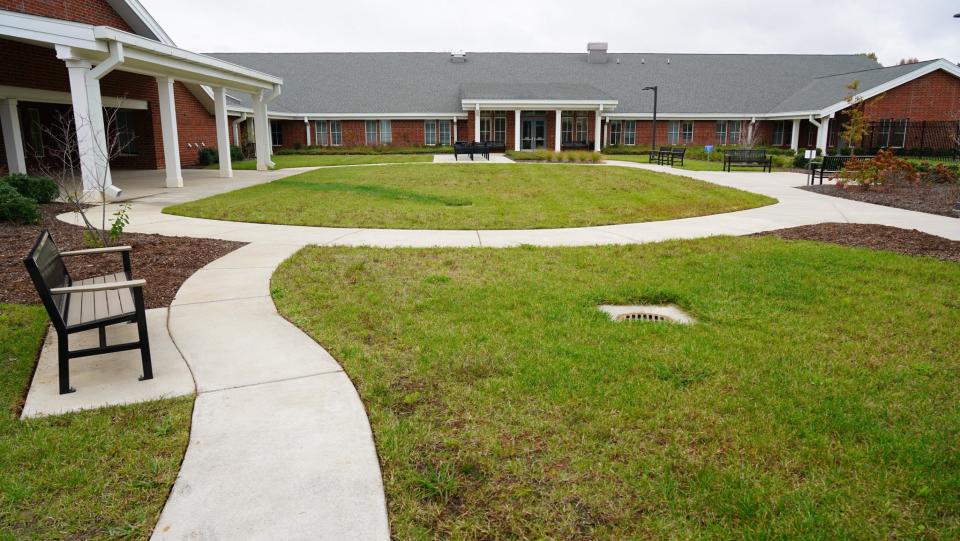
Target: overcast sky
(894, 29)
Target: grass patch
(688, 164)
(564, 156)
(287, 161)
(102, 474)
(816, 397)
(472, 197)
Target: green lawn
(818, 396)
(688, 164)
(101, 474)
(286, 161)
(472, 197)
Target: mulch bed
(924, 197)
(878, 237)
(164, 262)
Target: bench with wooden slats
(93, 303)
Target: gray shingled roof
(430, 83)
(532, 91)
(823, 92)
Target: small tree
(856, 128)
(751, 136)
(62, 163)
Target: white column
(236, 131)
(516, 130)
(223, 131)
(306, 126)
(556, 132)
(171, 138)
(605, 126)
(88, 123)
(822, 132)
(261, 127)
(596, 131)
(454, 129)
(795, 135)
(476, 124)
(12, 137)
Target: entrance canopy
(91, 52)
(530, 96)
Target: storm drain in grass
(666, 313)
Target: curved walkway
(281, 447)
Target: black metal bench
(829, 165)
(462, 147)
(677, 154)
(93, 303)
(658, 155)
(747, 158)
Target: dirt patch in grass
(930, 198)
(878, 237)
(164, 262)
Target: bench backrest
(679, 151)
(836, 163)
(47, 271)
(664, 149)
(746, 154)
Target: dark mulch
(924, 197)
(878, 237)
(164, 262)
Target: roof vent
(597, 52)
(458, 57)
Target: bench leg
(144, 339)
(63, 363)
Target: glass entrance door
(533, 134)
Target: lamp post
(653, 145)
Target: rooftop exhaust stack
(597, 52)
(458, 57)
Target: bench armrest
(93, 251)
(98, 287)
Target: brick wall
(935, 96)
(96, 12)
(30, 66)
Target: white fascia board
(128, 9)
(358, 116)
(53, 96)
(940, 64)
(49, 31)
(498, 104)
(709, 116)
(263, 80)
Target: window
(430, 132)
(728, 132)
(444, 132)
(582, 129)
(615, 132)
(276, 133)
(336, 136)
(485, 128)
(630, 132)
(500, 128)
(34, 132)
(370, 131)
(566, 128)
(686, 133)
(778, 133)
(893, 133)
(126, 134)
(386, 132)
(322, 133)
(673, 132)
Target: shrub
(882, 171)
(209, 156)
(566, 156)
(366, 150)
(39, 189)
(236, 153)
(939, 173)
(17, 208)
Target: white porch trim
(12, 137)
(223, 132)
(795, 135)
(557, 134)
(516, 130)
(168, 125)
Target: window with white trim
(484, 128)
(336, 135)
(615, 132)
(445, 132)
(893, 133)
(686, 133)
(322, 133)
(386, 132)
(566, 128)
(126, 133)
(728, 132)
(430, 132)
(500, 128)
(630, 132)
(581, 129)
(276, 133)
(370, 132)
(673, 132)
(779, 132)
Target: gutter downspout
(236, 128)
(96, 119)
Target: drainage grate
(666, 313)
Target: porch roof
(533, 91)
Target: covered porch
(84, 59)
(536, 116)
